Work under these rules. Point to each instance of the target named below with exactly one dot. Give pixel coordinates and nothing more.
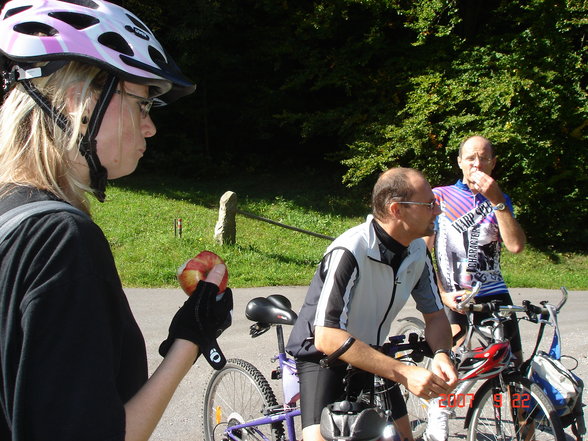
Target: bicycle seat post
(280, 335)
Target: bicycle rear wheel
(513, 409)
(235, 394)
(417, 407)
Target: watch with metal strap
(499, 207)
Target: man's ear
(394, 210)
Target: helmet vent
(35, 28)
(78, 21)
(14, 11)
(138, 23)
(115, 42)
(85, 3)
(157, 57)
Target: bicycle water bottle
(291, 384)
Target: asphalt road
(182, 421)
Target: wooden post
(225, 230)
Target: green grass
(535, 269)
(138, 220)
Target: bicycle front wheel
(416, 407)
(513, 409)
(236, 394)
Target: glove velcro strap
(213, 354)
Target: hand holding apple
(197, 268)
(202, 318)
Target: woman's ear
(74, 102)
(73, 98)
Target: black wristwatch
(447, 352)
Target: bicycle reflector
(484, 362)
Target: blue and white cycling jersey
(467, 241)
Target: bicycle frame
(535, 314)
(273, 311)
(490, 332)
(267, 313)
(287, 413)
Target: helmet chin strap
(98, 174)
(87, 145)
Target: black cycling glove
(201, 320)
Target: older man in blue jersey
(476, 219)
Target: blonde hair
(34, 150)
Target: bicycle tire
(235, 394)
(528, 414)
(416, 407)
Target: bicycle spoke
(236, 394)
(520, 412)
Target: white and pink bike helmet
(91, 31)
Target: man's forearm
(360, 354)
(437, 330)
(511, 231)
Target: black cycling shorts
(511, 327)
(321, 386)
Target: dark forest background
(352, 87)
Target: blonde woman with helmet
(79, 80)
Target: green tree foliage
(515, 73)
(377, 83)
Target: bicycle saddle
(349, 420)
(273, 310)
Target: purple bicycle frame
(291, 390)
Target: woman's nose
(148, 127)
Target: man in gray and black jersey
(361, 284)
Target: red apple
(197, 268)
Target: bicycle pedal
(276, 374)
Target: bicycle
(240, 404)
(507, 405)
(416, 407)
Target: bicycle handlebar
(469, 295)
(490, 307)
(496, 307)
(526, 307)
(564, 298)
(417, 345)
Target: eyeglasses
(481, 159)
(431, 205)
(145, 104)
